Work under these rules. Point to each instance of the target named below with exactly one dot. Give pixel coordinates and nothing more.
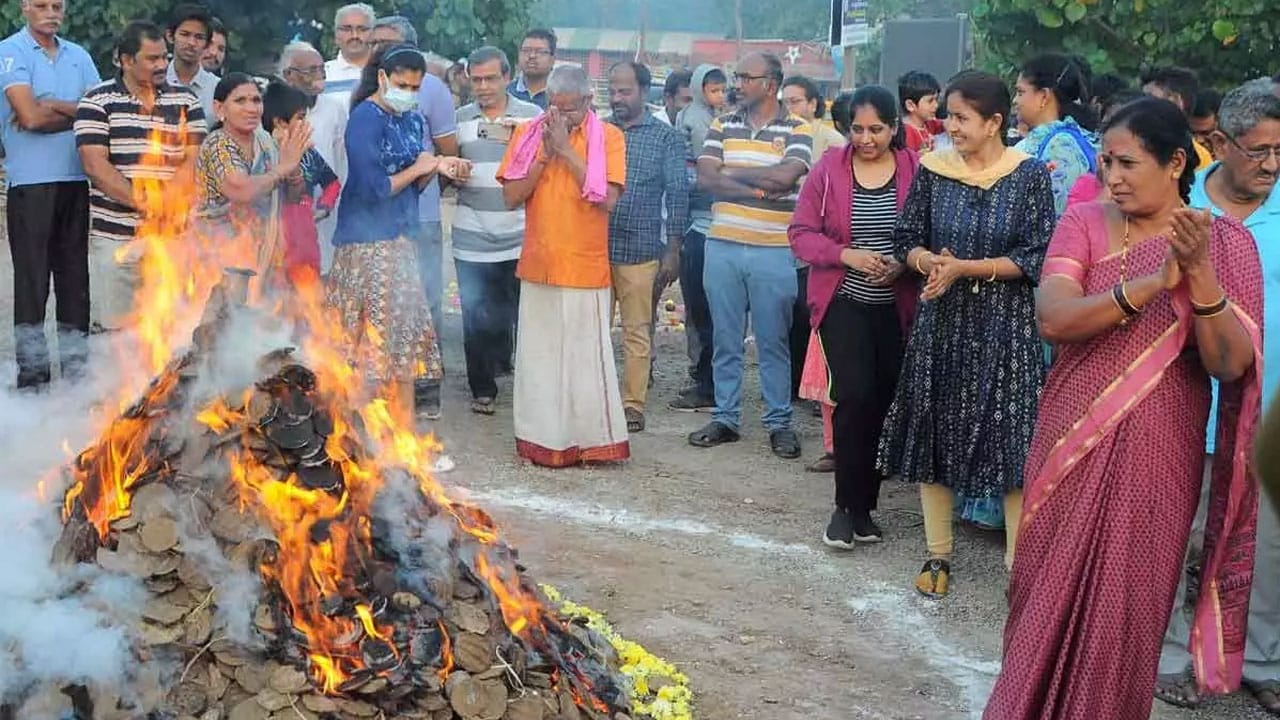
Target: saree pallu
(1112, 484)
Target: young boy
(283, 107)
(708, 85)
(918, 93)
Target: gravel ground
(712, 559)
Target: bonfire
(299, 558)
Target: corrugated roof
(605, 40)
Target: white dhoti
(568, 409)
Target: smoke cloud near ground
(70, 624)
(59, 625)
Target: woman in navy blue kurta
(374, 281)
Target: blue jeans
(738, 278)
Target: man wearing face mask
(111, 121)
(568, 168)
(302, 67)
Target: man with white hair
(302, 66)
(43, 77)
(352, 25)
(1243, 184)
(568, 169)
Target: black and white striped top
(112, 117)
(875, 211)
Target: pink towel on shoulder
(595, 187)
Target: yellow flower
(673, 699)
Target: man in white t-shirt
(351, 27)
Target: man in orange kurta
(567, 406)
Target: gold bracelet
(1214, 313)
(1214, 304)
(919, 258)
(993, 272)
(1125, 294)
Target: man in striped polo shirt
(114, 126)
(752, 163)
(486, 235)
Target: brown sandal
(934, 580)
(635, 420)
(1178, 690)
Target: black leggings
(863, 347)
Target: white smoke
(59, 624)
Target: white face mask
(400, 100)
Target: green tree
(1226, 41)
(258, 29)
(93, 25)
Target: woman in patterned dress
(975, 226)
(242, 174)
(374, 280)
(1146, 299)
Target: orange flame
(323, 539)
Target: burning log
(370, 592)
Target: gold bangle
(1214, 304)
(1125, 294)
(993, 271)
(920, 258)
(1212, 314)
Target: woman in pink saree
(1145, 299)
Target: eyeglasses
(354, 28)
(308, 72)
(743, 77)
(1256, 155)
(535, 52)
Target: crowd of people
(1045, 302)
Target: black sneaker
(692, 401)
(865, 530)
(839, 532)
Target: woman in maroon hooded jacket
(859, 300)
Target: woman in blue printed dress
(1051, 97)
(374, 280)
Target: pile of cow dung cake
(296, 567)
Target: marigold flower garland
(661, 692)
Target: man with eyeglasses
(751, 162)
(352, 25)
(1243, 184)
(487, 235)
(537, 59)
(302, 66)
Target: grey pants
(1262, 644)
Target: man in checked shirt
(644, 246)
